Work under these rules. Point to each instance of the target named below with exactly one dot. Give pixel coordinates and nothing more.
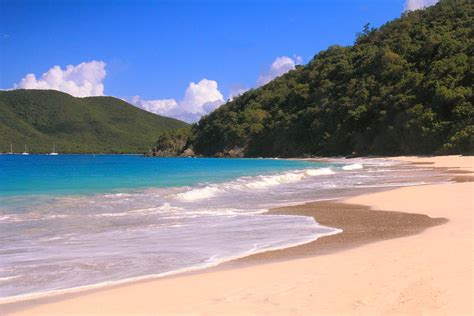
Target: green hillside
(41, 118)
(405, 88)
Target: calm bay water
(77, 220)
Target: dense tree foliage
(405, 88)
(172, 143)
(41, 118)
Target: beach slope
(427, 273)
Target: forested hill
(40, 119)
(405, 88)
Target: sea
(71, 222)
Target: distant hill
(405, 88)
(41, 118)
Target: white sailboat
(53, 153)
(11, 149)
(25, 153)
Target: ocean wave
(355, 166)
(251, 183)
(165, 208)
(8, 278)
(34, 216)
(5, 218)
(166, 211)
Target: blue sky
(154, 49)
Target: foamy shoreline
(266, 181)
(107, 284)
(280, 188)
(50, 308)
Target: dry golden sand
(390, 260)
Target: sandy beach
(403, 251)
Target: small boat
(25, 153)
(11, 150)
(53, 153)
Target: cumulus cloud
(280, 65)
(199, 94)
(199, 99)
(86, 79)
(83, 80)
(154, 106)
(204, 97)
(412, 5)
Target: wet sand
(360, 225)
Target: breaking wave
(251, 183)
(355, 166)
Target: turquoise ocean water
(90, 174)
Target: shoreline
(361, 223)
(357, 223)
(319, 245)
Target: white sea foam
(165, 208)
(8, 278)
(6, 217)
(251, 183)
(197, 194)
(355, 166)
(53, 238)
(212, 261)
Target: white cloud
(237, 91)
(83, 80)
(199, 99)
(154, 106)
(208, 107)
(412, 5)
(298, 59)
(86, 79)
(198, 94)
(204, 97)
(280, 65)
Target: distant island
(405, 88)
(41, 119)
